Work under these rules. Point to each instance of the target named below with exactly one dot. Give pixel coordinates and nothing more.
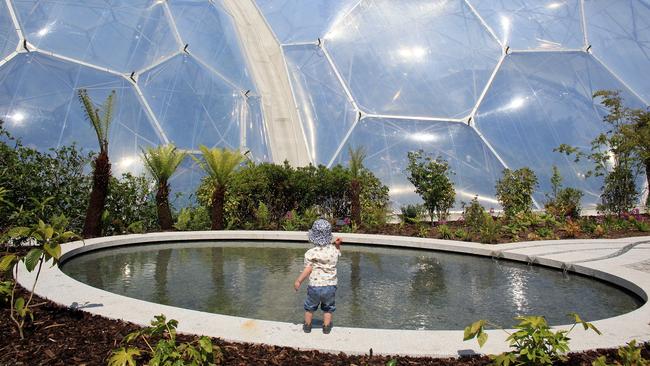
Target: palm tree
(100, 118)
(220, 165)
(161, 162)
(356, 165)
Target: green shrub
(41, 185)
(619, 192)
(165, 351)
(463, 235)
(489, 232)
(193, 219)
(310, 192)
(445, 232)
(411, 214)
(629, 355)
(533, 343)
(544, 232)
(514, 191)
(130, 200)
(263, 216)
(474, 215)
(431, 180)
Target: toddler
(320, 266)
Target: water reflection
(378, 287)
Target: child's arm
(305, 273)
(338, 243)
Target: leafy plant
(263, 216)
(623, 150)
(571, 229)
(423, 231)
(431, 180)
(514, 191)
(489, 231)
(474, 215)
(30, 177)
(445, 232)
(166, 351)
(100, 118)
(5, 291)
(161, 162)
(48, 239)
(193, 219)
(563, 202)
(533, 342)
(411, 214)
(463, 235)
(629, 355)
(619, 192)
(129, 204)
(544, 232)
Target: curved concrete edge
(59, 288)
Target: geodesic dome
(486, 84)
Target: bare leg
(308, 317)
(327, 318)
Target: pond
(378, 287)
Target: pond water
(378, 287)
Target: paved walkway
(625, 262)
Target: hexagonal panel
(39, 104)
(534, 24)
(387, 142)
(123, 35)
(324, 108)
(619, 33)
(8, 36)
(415, 58)
(212, 37)
(303, 21)
(194, 105)
(541, 100)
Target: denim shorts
(320, 295)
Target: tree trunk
(218, 198)
(101, 175)
(355, 193)
(162, 204)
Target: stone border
(59, 288)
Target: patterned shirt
(323, 262)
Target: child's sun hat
(320, 233)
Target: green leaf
(53, 249)
(7, 262)
(124, 357)
(32, 258)
(392, 362)
(19, 232)
(482, 338)
(206, 344)
(19, 304)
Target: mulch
(63, 336)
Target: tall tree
(220, 164)
(100, 118)
(356, 165)
(619, 153)
(161, 162)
